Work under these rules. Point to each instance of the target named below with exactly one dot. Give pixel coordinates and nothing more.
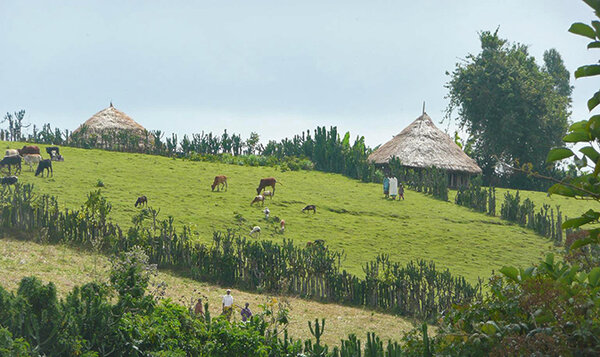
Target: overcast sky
(275, 67)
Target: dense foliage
(513, 109)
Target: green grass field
(351, 216)
(19, 259)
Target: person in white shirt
(228, 304)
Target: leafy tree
(514, 110)
(555, 67)
(252, 142)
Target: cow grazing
(29, 150)
(310, 208)
(259, 198)
(44, 165)
(57, 158)
(267, 182)
(12, 152)
(11, 161)
(9, 180)
(142, 200)
(219, 182)
(53, 151)
(31, 160)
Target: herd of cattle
(31, 156)
(220, 182)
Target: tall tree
(511, 108)
(555, 67)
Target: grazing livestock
(12, 152)
(44, 165)
(57, 158)
(282, 225)
(268, 194)
(31, 160)
(219, 182)
(259, 198)
(255, 230)
(29, 150)
(142, 200)
(267, 182)
(315, 243)
(310, 208)
(9, 180)
(11, 161)
(266, 211)
(53, 151)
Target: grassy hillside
(351, 216)
(19, 259)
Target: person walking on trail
(401, 192)
(393, 187)
(386, 186)
(199, 309)
(228, 304)
(246, 313)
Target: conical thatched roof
(422, 144)
(110, 119)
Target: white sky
(275, 67)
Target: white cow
(32, 159)
(12, 152)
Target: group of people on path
(391, 188)
(227, 305)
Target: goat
(11, 161)
(259, 198)
(268, 193)
(255, 230)
(9, 180)
(32, 159)
(267, 182)
(29, 150)
(12, 152)
(220, 181)
(142, 200)
(310, 208)
(44, 165)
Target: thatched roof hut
(110, 119)
(422, 145)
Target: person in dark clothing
(246, 313)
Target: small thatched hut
(110, 119)
(422, 145)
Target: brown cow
(29, 150)
(220, 181)
(267, 182)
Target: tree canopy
(513, 109)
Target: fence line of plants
(417, 289)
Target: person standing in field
(227, 304)
(199, 309)
(386, 186)
(246, 313)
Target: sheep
(32, 159)
(259, 198)
(255, 231)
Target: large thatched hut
(423, 145)
(110, 119)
